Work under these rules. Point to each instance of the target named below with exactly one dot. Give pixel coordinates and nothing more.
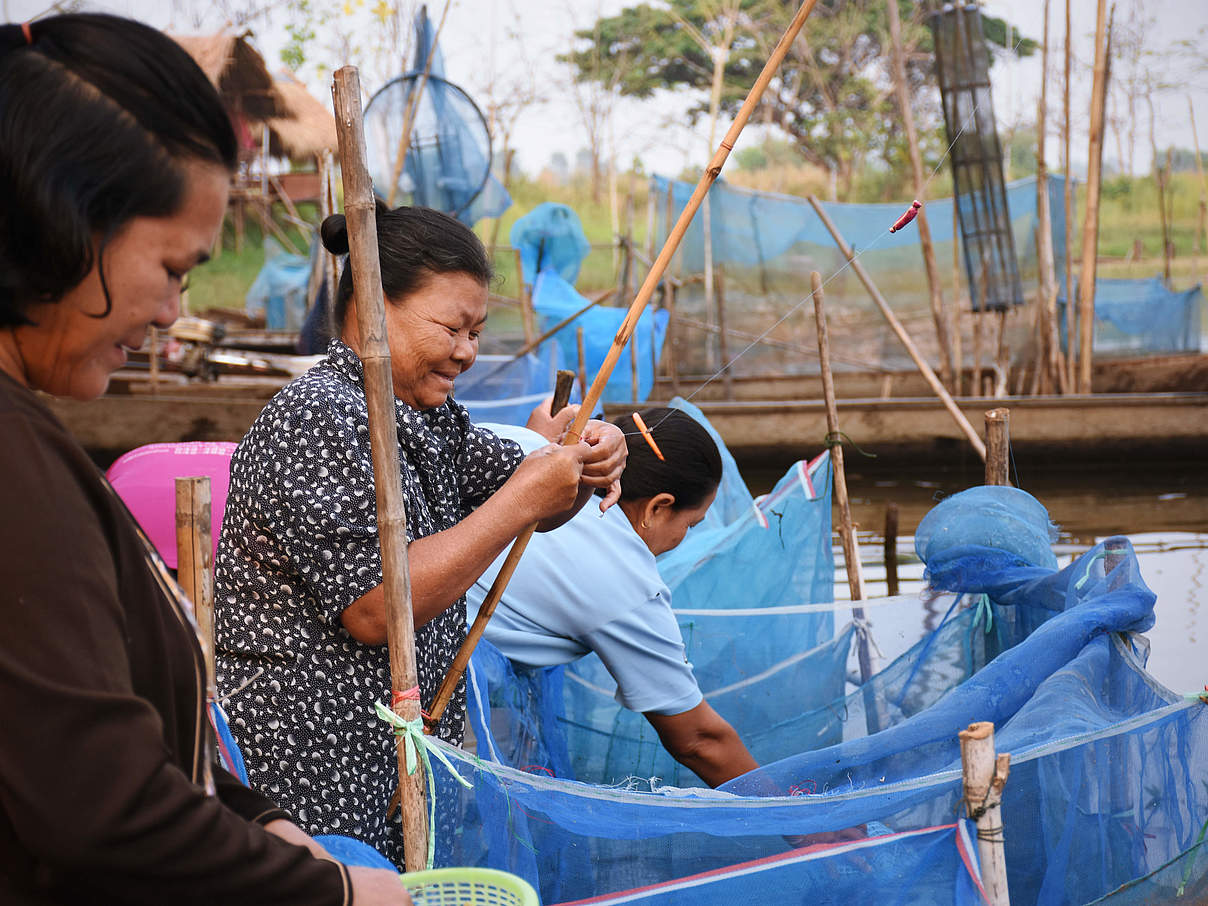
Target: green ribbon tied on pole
(416, 749)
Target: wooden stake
(1090, 223)
(1071, 345)
(957, 308)
(727, 375)
(998, 447)
(847, 530)
(947, 365)
(1049, 360)
(624, 334)
(582, 361)
(562, 385)
(195, 575)
(374, 352)
(1202, 226)
(984, 774)
(1164, 187)
(900, 331)
(633, 365)
(528, 318)
(669, 291)
(891, 549)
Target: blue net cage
(1137, 317)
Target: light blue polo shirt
(591, 585)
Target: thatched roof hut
(238, 72)
(306, 130)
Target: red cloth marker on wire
(911, 213)
(637, 420)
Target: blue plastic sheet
(550, 237)
(279, 290)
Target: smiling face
(73, 347)
(433, 335)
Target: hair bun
(12, 37)
(334, 231)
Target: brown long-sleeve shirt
(102, 720)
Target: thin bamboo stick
(959, 385)
(413, 102)
(1049, 353)
(727, 376)
(527, 319)
(195, 575)
(155, 361)
(947, 365)
(374, 351)
(847, 529)
(1202, 226)
(624, 334)
(582, 361)
(1090, 223)
(998, 447)
(984, 774)
(669, 290)
(891, 549)
(1071, 353)
(900, 331)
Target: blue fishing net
(767, 244)
(505, 390)
(1139, 316)
(555, 300)
(1109, 772)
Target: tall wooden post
(727, 376)
(847, 530)
(1071, 343)
(582, 361)
(1090, 223)
(998, 447)
(1202, 224)
(374, 352)
(947, 366)
(195, 575)
(891, 549)
(527, 318)
(1050, 359)
(984, 774)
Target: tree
(833, 95)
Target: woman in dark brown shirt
(115, 155)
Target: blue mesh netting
(504, 389)
(448, 161)
(555, 300)
(767, 244)
(1109, 778)
(1140, 316)
(279, 290)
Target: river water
(1162, 507)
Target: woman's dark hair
(98, 115)
(413, 244)
(691, 470)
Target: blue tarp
(1140, 316)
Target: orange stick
(637, 420)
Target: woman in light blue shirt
(593, 585)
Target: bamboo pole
(947, 365)
(527, 320)
(628, 326)
(1090, 223)
(891, 549)
(669, 290)
(1202, 226)
(900, 331)
(582, 361)
(727, 375)
(998, 447)
(195, 575)
(413, 102)
(374, 352)
(328, 202)
(1163, 175)
(984, 774)
(1049, 358)
(959, 385)
(847, 529)
(633, 366)
(1071, 354)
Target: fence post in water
(847, 530)
(984, 773)
(998, 447)
(891, 549)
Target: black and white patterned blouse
(299, 544)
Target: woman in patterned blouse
(300, 611)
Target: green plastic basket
(468, 887)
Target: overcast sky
(481, 48)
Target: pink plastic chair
(145, 478)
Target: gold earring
(645, 524)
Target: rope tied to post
(417, 748)
(863, 628)
(838, 438)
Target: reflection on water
(1161, 507)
